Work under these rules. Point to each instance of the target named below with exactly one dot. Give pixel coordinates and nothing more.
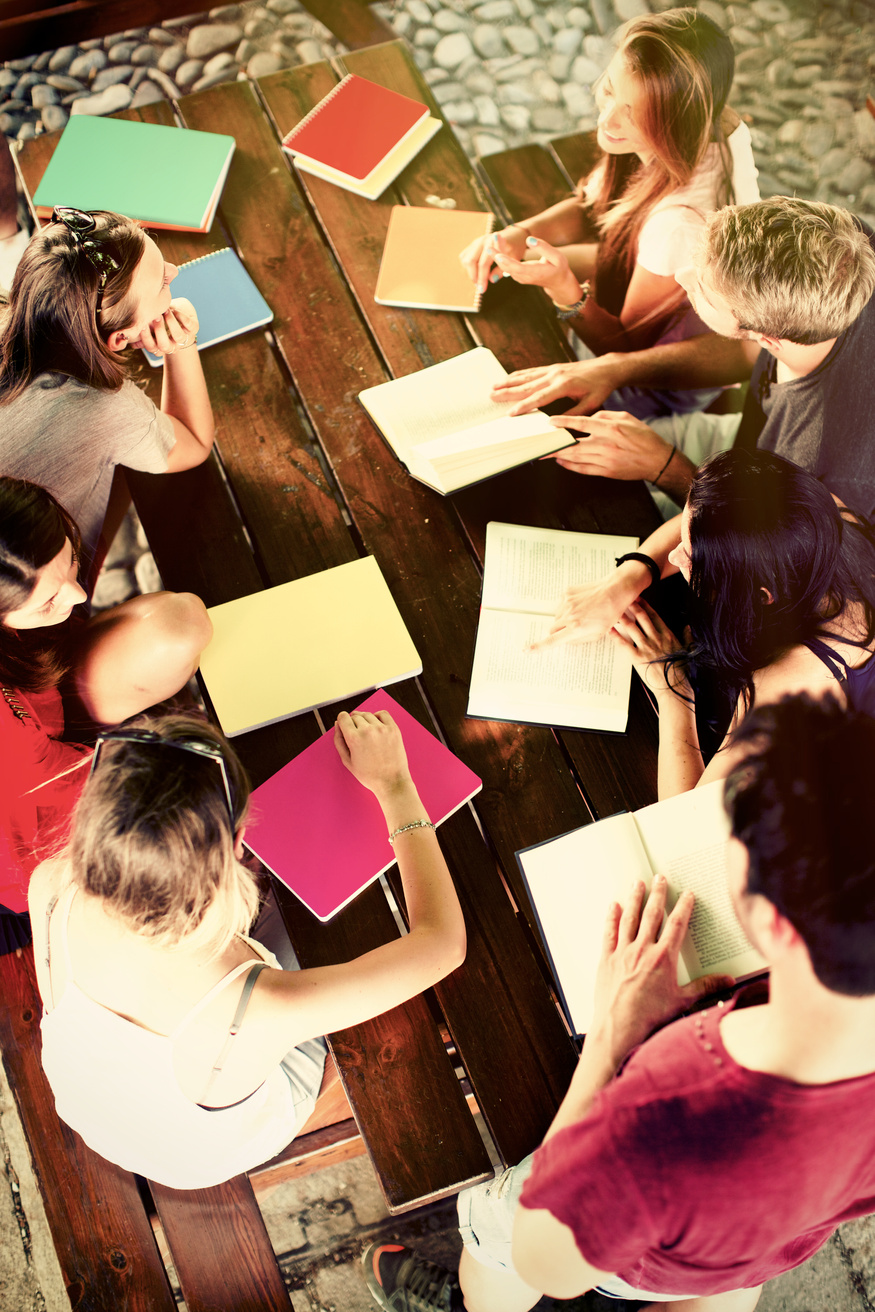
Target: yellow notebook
(420, 266)
(303, 644)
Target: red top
(35, 806)
(693, 1175)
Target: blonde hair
(797, 269)
(685, 65)
(152, 838)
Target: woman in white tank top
(174, 1044)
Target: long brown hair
(52, 324)
(33, 529)
(685, 64)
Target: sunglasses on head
(153, 739)
(94, 247)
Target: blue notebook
(226, 299)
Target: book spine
(289, 138)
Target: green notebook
(166, 177)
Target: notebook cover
(226, 299)
(162, 175)
(302, 644)
(355, 126)
(323, 834)
(420, 265)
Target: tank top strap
(836, 664)
(255, 970)
(217, 988)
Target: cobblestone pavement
(504, 72)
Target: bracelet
(671, 453)
(193, 342)
(655, 571)
(414, 824)
(572, 311)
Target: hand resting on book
(636, 986)
(588, 382)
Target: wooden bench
(300, 481)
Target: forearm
(679, 763)
(563, 224)
(433, 910)
(184, 395)
(703, 361)
(596, 1068)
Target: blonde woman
(672, 151)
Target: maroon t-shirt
(693, 1175)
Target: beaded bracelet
(572, 311)
(414, 824)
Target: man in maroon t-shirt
(689, 1167)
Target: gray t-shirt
(69, 437)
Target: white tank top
(114, 1083)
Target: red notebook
(360, 135)
(323, 834)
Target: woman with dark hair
(672, 151)
(172, 1042)
(88, 287)
(782, 588)
(59, 675)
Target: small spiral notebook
(360, 136)
(227, 301)
(420, 268)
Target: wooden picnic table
(301, 481)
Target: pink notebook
(323, 834)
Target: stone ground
(504, 72)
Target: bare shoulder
(45, 883)
(798, 670)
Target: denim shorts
(486, 1213)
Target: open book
(443, 427)
(575, 685)
(573, 880)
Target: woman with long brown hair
(672, 151)
(87, 288)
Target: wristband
(572, 311)
(671, 453)
(414, 824)
(655, 571)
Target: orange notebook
(360, 136)
(420, 266)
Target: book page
(582, 685)
(572, 882)
(437, 401)
(528, 569)
(685, 838)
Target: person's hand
(173, 331)
(649, 640)
(546, 267)
(590, 381)
(371, 747)
(613, 444)
(636, 984)
(478, 258)
(587, 612)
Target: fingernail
(494, 277)
(505, 275)
(531, 241)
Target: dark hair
(153, 839)
(759, 524)
(52, 324)
(686, 64)
(33, 529)
(801, 803)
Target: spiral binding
(288, 139)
